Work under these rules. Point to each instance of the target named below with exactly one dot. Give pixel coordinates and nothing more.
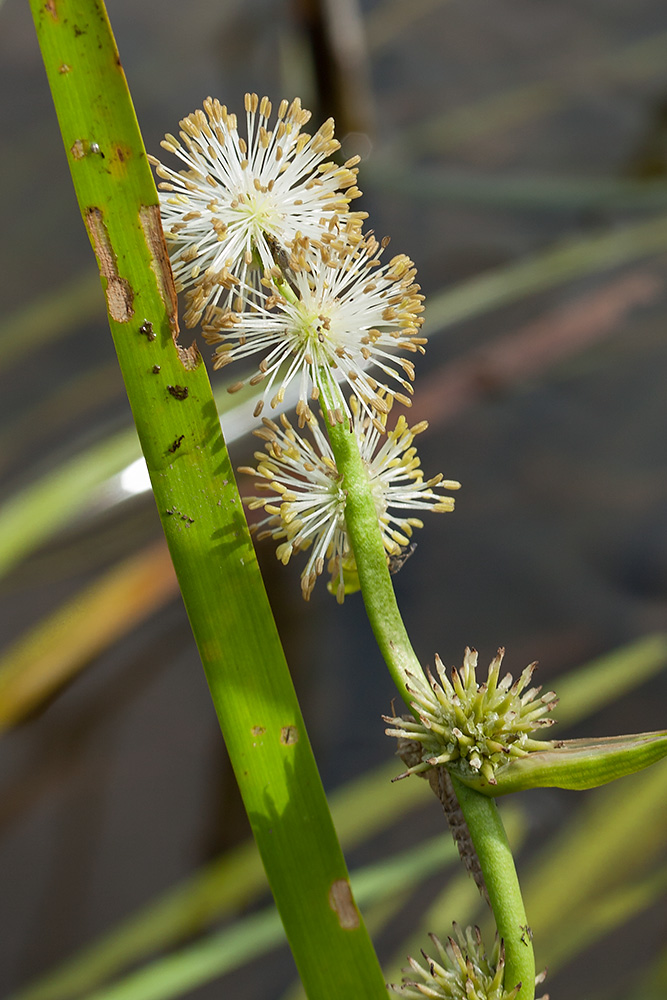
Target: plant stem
(495, 857)
(481, 814)
(362, 524)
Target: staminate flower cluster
(462, 971)
(306, 502)
(480, 725)
(274, 262)
(275, 265)
(223, 214)
(343, 309)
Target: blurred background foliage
(518, 152)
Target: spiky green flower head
(304, 494)
(477, 726)
(462, 971)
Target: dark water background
(558, 547)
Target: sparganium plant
(275, 264)
(264, 244)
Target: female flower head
(306, 502)
(461, 970)
(236, 195)
(476, 726)
(335, 311)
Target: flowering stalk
(484, 822)
(369, 552)
(495, 857)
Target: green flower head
(462, 971)
(479, 726)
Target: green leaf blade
(200, 508)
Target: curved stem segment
(370, 556)
(495, 857)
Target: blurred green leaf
(51, 316)
(555, 194)
(605, 912)
(588, 688)
(616, 836)
(360, 809)
(252, 936)
(51, 652)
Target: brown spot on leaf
(147, 330)
(343, 905)
(50, 5)
(289, 735)
(176, 444)
(64, 68)
(119, 293)
(179, 392)
(151, 224)
(78, 149)
(258, 730)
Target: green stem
(370, 556)
(481, 814)
(495, 857)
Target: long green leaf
(200, 508)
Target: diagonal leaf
(226, 950)
(51, 316)
(50, 653)
(199, 506)
(602, 681)
(618, 834)
(360, 809)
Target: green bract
(573, 764)
(480, 726)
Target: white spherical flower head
(333, 311)
(306, 496)
(237, 195)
